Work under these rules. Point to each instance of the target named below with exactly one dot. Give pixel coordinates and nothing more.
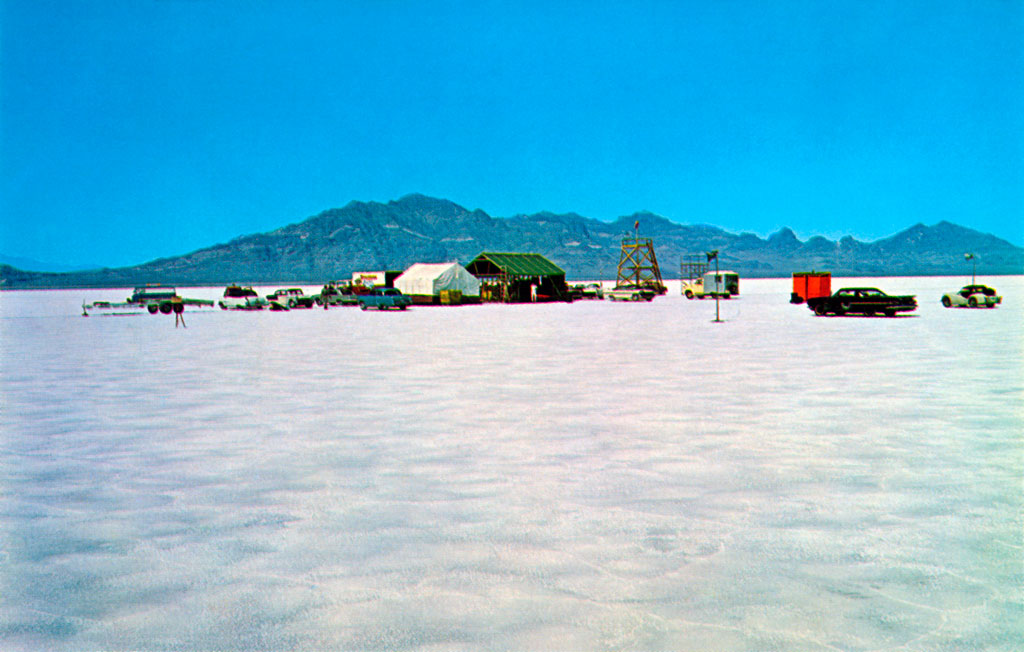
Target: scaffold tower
(638, 266)
(693, 266)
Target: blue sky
(134, 129)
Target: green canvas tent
(518, 278)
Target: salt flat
(590, 476)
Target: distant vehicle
(148, 294)
(631, 293)
(384, 299)
(972, 296)
(241, 298)
(587, 291)
(723, 284)
(290, 298)
(336, 293)
(152, 298)
(862, 301)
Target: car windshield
(238, 293)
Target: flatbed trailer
(150, 298)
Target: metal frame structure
(692, 266)
(638, 266)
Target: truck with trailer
(724, 284)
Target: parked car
(972, 296)
(631, 293)
(862, 301)
(290, 298)
(587, 291)
(384, 298)
(241, 298)
(336, 293)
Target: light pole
(974, 269)
(713, 255)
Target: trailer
(810, 285)
(724, 284)
(152, 298)
(383, 278)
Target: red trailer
(810, 285)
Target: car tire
(972, 302)
(363, 306)
(153, 308)
(821, 310)
(946, 303)
(890, 313)
(689, 294)
(165, 308)
(869, 313)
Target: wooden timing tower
(638, 266)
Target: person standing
(178, 306)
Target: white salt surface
(590, 476)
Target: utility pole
(713, 255)
(973, 269)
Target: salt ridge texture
(590, 476)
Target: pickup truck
(289, 298)
(862, 301)
(384, 298)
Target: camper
(724, 284)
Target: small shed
(518, 278)
(426, 281)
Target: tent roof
(426, 270)
(521, 264)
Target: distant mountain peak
(784, 236)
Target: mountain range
(364, 236)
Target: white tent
(428, 279)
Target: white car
(972, 296)
(239, 298)
(630, 293)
